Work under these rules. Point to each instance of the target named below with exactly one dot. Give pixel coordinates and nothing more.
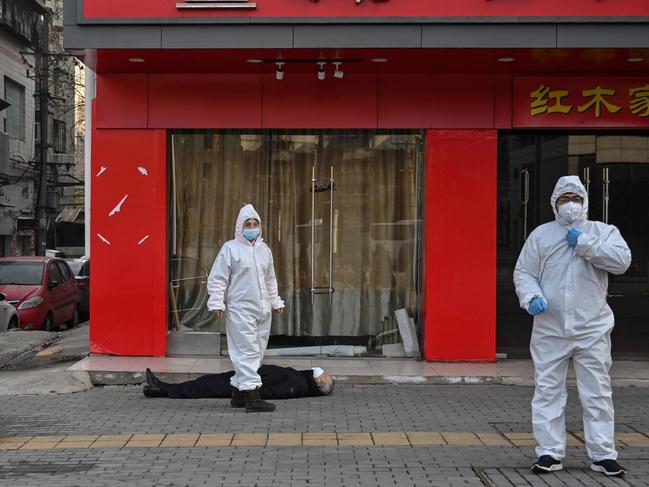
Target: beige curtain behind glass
(375, 226)
(215, 174)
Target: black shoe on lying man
(155, 387)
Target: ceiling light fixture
(506, 59)
(254, 61)
(136, 60)
(279, 70)
(321, 70)
(635, 59)
(338, 73)
(379, 60)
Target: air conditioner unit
(62, 158)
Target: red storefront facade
(461, 72)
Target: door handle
(313, 225)
(331, 229)
(605, 193)
(322, 290)
(314, 185)
(526, 198)
(614, 295)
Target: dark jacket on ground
(277, 383)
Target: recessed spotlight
(321, 70)
(506, 59)
(338, 73)
(136, 60)
(379, 60)
(279, 71)
(254, 61)
(635, 59)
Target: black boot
(149, 391)
(156, 388)
(255, 404)
(238, 399)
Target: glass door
(350, 239)
(615, 171)
(341, 213)
(618, 182)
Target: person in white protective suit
(561, 278)
(242, 285)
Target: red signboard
(121, 9)
(588, 101)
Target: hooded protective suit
(242, 282)
(577, 324)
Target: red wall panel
(460, 245)
(369, 8)
(303, 101)
(204, 101)
(129, 242)
(436, 101)
(503, 101)
(121, 101)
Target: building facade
(23, 61)
(17, 36)
(399, 156)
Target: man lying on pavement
(277, 383)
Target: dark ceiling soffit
(350, 36)
(73, 14)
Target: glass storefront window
(615, 170)
(340, 211)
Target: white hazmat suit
(242, 282)
(576, 325)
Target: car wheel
(48, 324)
(74, 321)
(13, 323)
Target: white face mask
(570, 211)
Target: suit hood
(569, 184)
(248, 211)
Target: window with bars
(60, 136)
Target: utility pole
(42, 66)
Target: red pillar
(128, 242)
(460, 245)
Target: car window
(63, 269)
(54, 274)
(75, 265)
(25, 273)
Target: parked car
(8, 315)
(43, 291)
(81, 272)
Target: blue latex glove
(573, 235)
(537, 306)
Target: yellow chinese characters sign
(584, 102)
